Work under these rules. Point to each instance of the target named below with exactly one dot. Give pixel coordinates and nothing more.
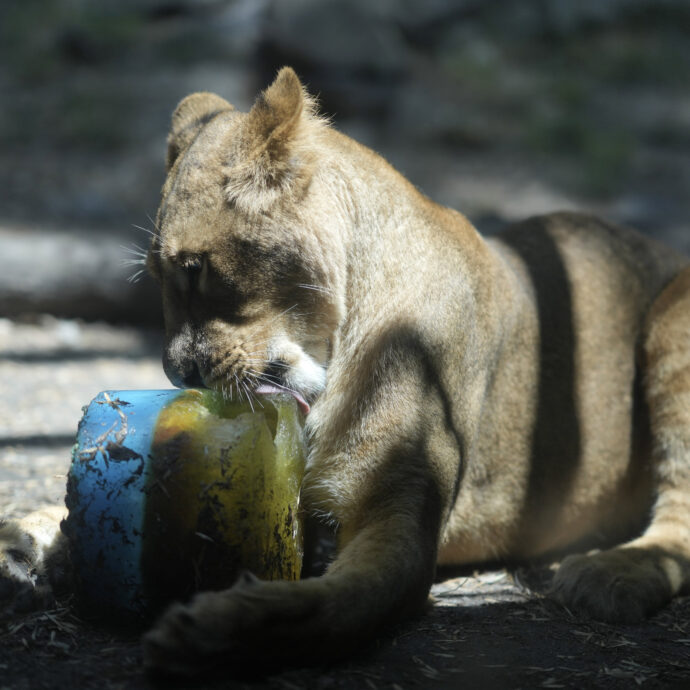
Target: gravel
(51, 369)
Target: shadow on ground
(487, 629)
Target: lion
(468, 399)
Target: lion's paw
(187, 637)
(618, 586)
(179, 643)
(28, 555)
(21, 588)
(252, 621)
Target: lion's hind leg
(635, 579)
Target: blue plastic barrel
(174, 491)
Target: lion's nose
(182, 374)
(192, 377)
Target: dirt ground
(493, 628)
(487, 629)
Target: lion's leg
(33, 559)
(635, 579)
(383, 573)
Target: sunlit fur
(33, 560)
(471, 399)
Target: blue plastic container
(174, 491)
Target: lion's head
(244, 254)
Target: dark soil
(484, 629)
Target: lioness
(468, 399)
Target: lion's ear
(272, 121)
(271, 156)
(189, 117)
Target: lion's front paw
(180, 642)
(252, 620)
(187, 637)
(621, 585)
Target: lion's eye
(190, 272)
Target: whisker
(285, 311)
(134, 249)
(277, 316)
(254, 375)
(250, 393)
(277, 385)
(135, 277)
(316, 288)
(269, 378)
(133, 262)
(249, 399)
(146, 230)
(153, 222)
(256, 360)
(280, 365)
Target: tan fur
(471, 399)
(33, 560)
(482, 399)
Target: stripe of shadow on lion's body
(557, 442)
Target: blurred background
(500, 109)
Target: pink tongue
(268, 388)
